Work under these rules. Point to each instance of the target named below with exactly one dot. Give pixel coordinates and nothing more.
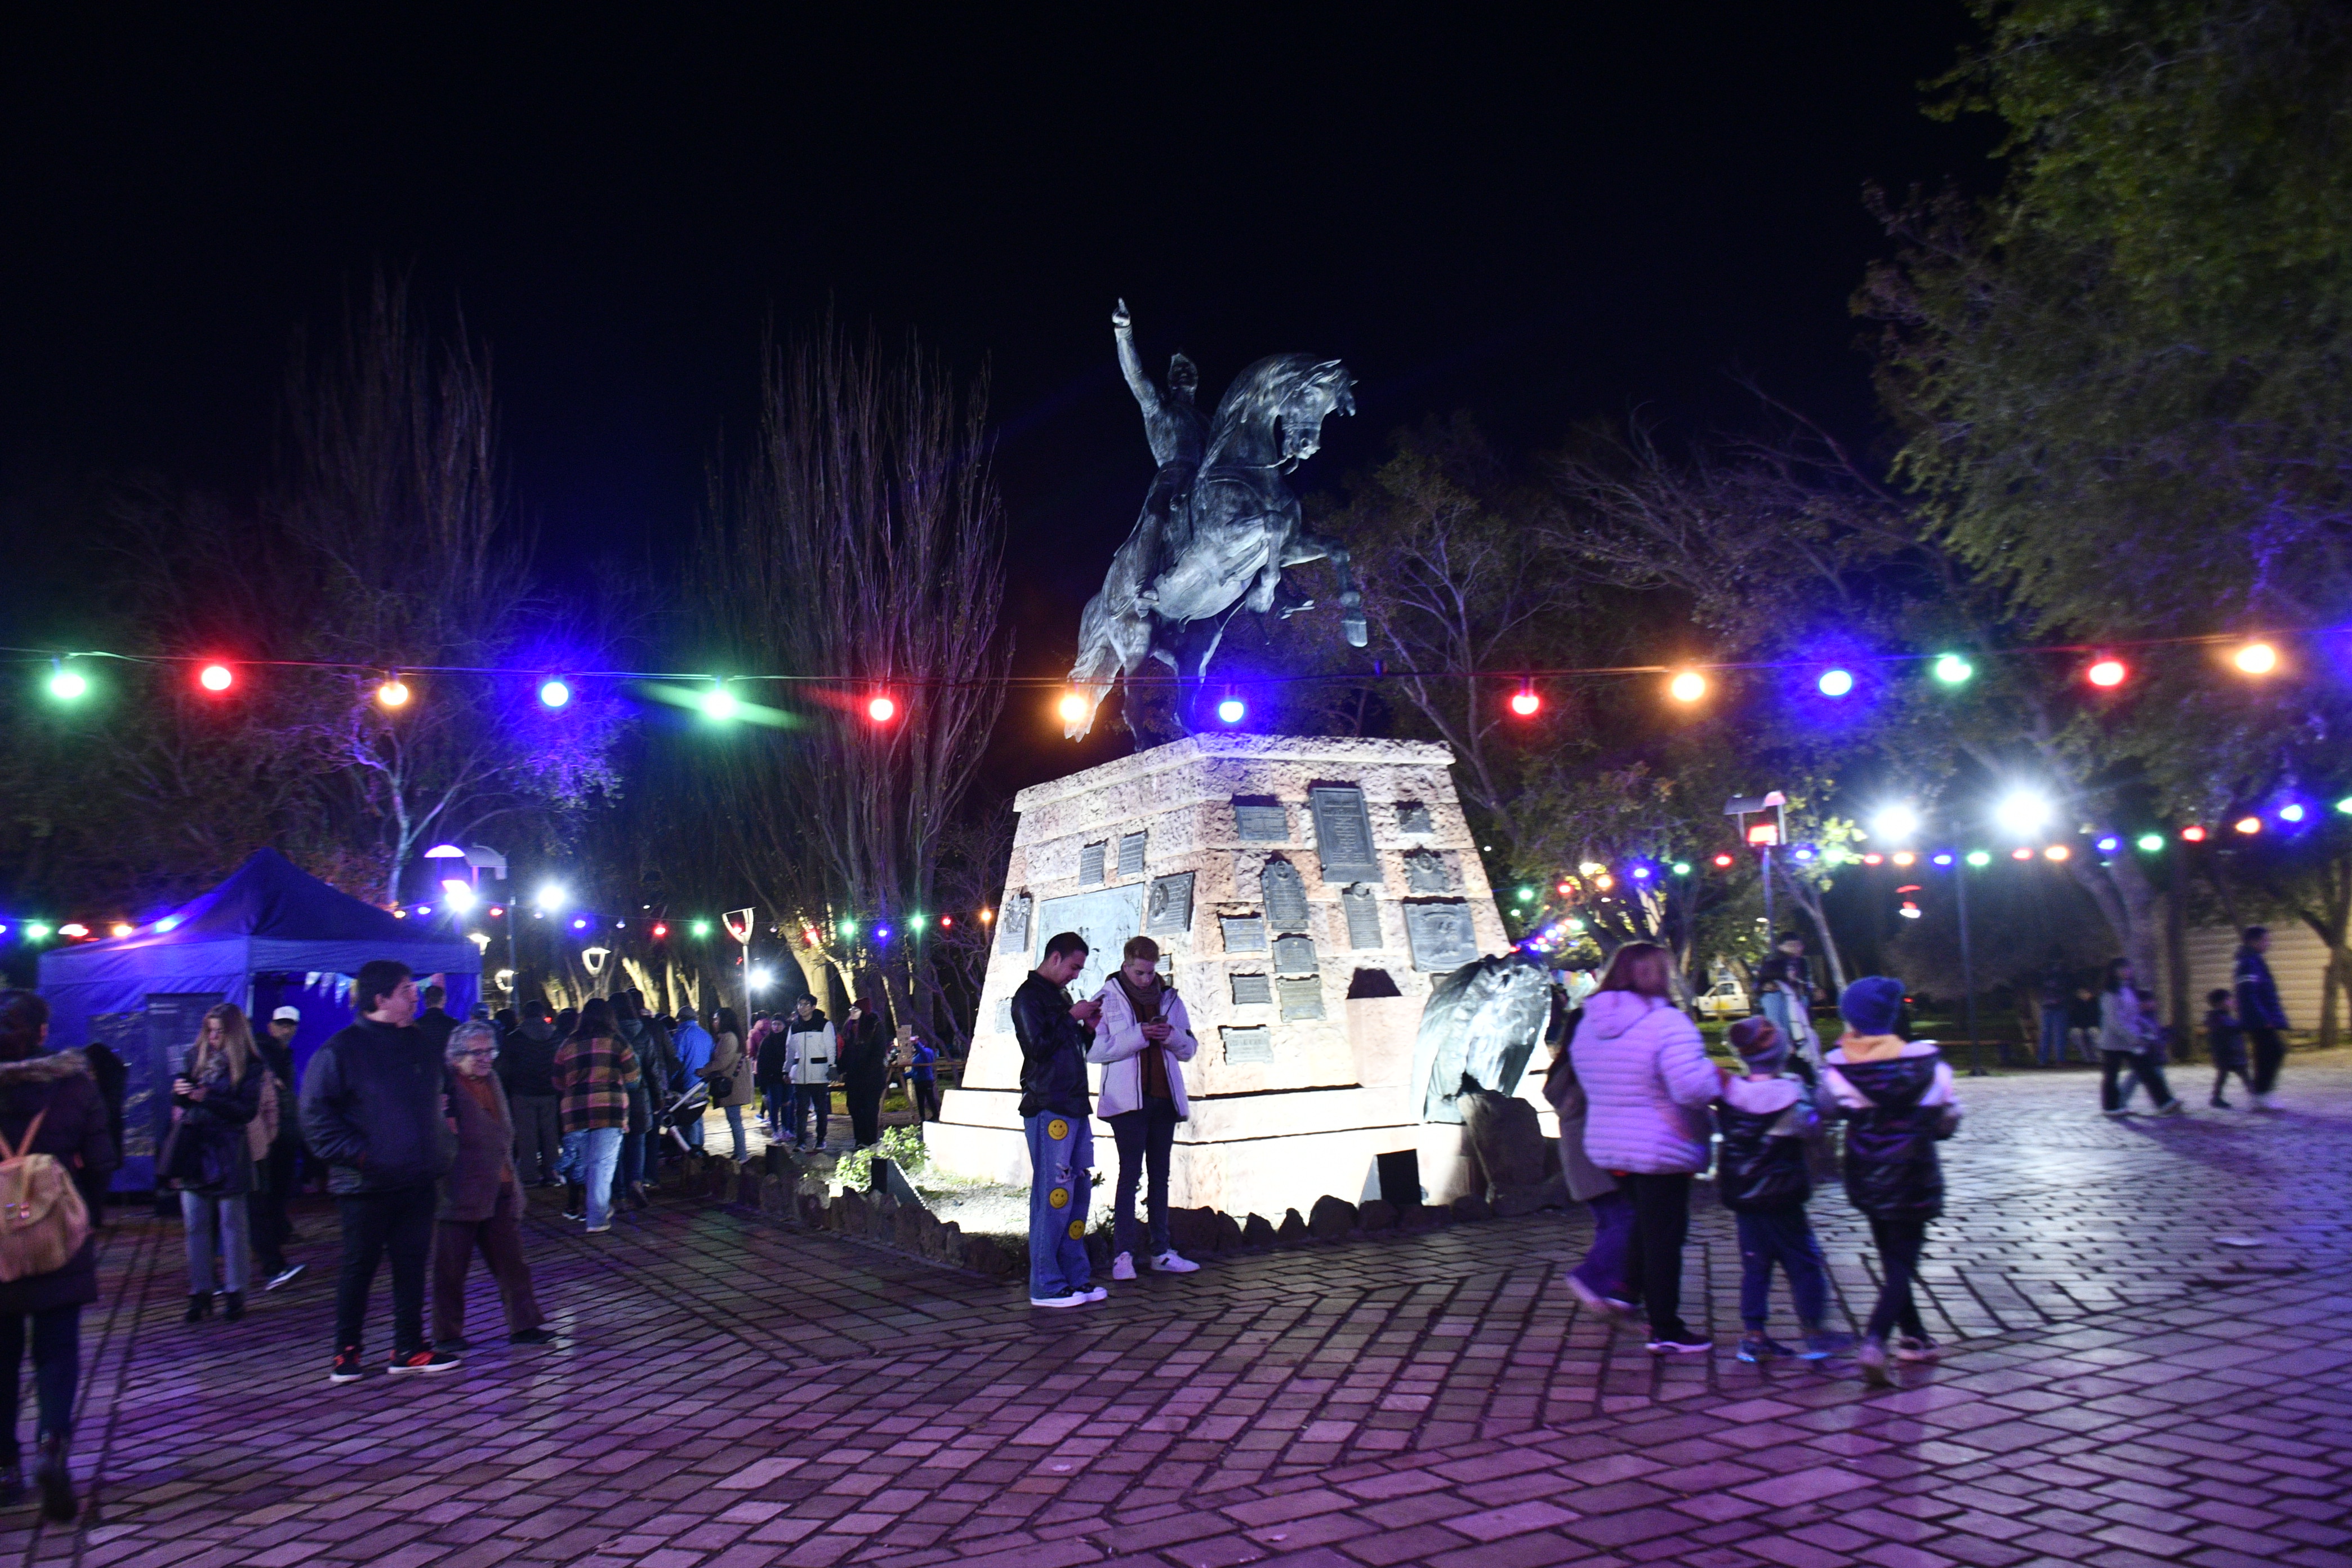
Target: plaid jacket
(593, 1077)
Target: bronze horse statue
(1214, 541)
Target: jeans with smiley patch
(1061, 1159)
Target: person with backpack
(1898, 1102)
(223, 1102)
(54, 1126)
(1769, 1122)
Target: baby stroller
(684, 1112)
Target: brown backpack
(43, 1221)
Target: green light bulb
(1954, 670)
(2149, 843)
(1979, 858)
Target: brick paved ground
(2123, 1389)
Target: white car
(1727, 999)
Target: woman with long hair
(594, 1070)
(1648, 1084)
(50, 1105)
(727, 1063)
(2130, 1039)
(214, 1099)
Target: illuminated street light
(1896, 824)
(551, 899)
(2255, 659)
(2022, 813)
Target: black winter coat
(75, 1130)
(526, 1065)
(1891, 1168)
(866, 1053)
(1052, 1050)
(222, 1164)
(1755, 1172)
(372, 1109)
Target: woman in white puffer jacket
(1648, 1084)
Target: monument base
(1304, 893)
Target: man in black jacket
(375, 1108)
(1055, 1105)
(526, 1068)
(281, 1167)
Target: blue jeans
(773, 1099)
(812, 1099)
(215, 1226)
(600, 1152)
(1603, 1268)
(1061, 1157)
(1786, 1237)
(2053, 1034)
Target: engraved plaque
(1343, 834)
(1252, 990)
(1242, 1046)
(1261, 819)
(1106, 918)
(1130, 855)
(1412, 817)
(1285, 896)
(1441, 934)
(1294, 956)
(1243, 933)
(1363, 916)
(1425, 872)
(1004, 1016)
(1301, 997)
(1012, 924)
(1169, 911)
(1090, 865)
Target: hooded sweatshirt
(1647, 1085)
(1898, 1102)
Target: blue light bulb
(1836, 682)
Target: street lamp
(1763, 835)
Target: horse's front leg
(1305, 547)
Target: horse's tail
(1100, 663)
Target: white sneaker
(1074, 1298)
(1123, 1265)
(1169, 1263)
(1098, 1294)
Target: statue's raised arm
(1130, 364)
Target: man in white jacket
(1142, 1040)
(808, 1061)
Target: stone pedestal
(1303, 894)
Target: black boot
(200, 1306)
(56, 1481)
(233, 1306)
(575, 1200)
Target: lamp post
(1764, 835)
(1901, 824)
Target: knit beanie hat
(1761, 1046)
(1872, 1003)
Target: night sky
(1536, 221)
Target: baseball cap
(287, 1015)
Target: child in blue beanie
(1898, 1103)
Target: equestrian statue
(1219, 523)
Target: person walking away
(636, 1137)
(2227, 1038)
(593, 1072)
(2264, 1017)
(527, 1072)
(1055, 1036)
(1648, 1084)
(1898, 1103)
(214, 1103)
(772, 1073)
(809, 1046)
(434, 1022)
(1143, 1038)
(481, 1199)
(729, 1073)
(2083, 1019)
(1768, 1121)
(281, 1161)
(1601, 1280)
(923, 1077)
(2055, 994)
(373, 1109)
(864, 1067)
(657, 1061)
(2129, 1036)
(51, 1109)
(692, 1043)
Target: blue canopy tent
(270, 934)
